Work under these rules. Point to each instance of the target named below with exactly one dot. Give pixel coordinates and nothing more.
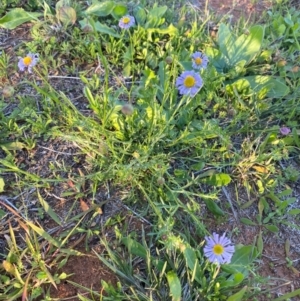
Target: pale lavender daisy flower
(284, 130)
(200, 60)
(189, 83)
(218, 249)
(126, 22)
(28, 62)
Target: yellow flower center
(27, 60)
(189, 81)
(218, 249)
(198, 60)
(126, 20)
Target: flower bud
(127, 109)
(281, 63)
(169, 60)
(160, 181)
(8, 91)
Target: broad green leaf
(175, 286)
(190, 257)
(48, 209)
(234, 280)
(216, 58)
(243, 256)
(170, 30)
(16, 17)
(186, 65)
(239, 295)
(276, 88)
(192, 263)
(66, 15)
(221, 179)
(288, 21)
(61, 3)
(241, 86)
(135, 247)
(119, 11)
(224, 38)
(296, 137)
(101, 9)
(2, 184)
(103, 28)
(140, 15)
(158, 12)
(243, 48)
(213, 207)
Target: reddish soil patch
(87, 271)
(250, 10)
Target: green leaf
(234, 280)
(192, 263)
(119, 11)
(294, 211)
(198, 166)
(272, 228)
(239, 295)
(2, 184)
(276, 88)
(170, 30)
(16, 17)
(247, 221)
(105, 29)
(66, 15)
(241, 86)
(175, 286)
(48, 209)
(260, 243)
(44, 234)
(213, 207)
(135, 247)
(41, 275)
(157, 12)
(100, 9)
(61, 3)
(243, 256)
(243, 48)
(296, 137)
(288, 295)
(2, 213)
(140, 15)
(216, 58)
(221, 179)
(186, 65)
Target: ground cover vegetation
(148, 137)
